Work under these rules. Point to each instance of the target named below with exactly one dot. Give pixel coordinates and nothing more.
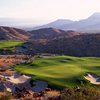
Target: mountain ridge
(51, 33)
(10, 33)
(94, 19)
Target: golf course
(8, 44)
(61, 70)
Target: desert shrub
(80, 93)
(5, 97)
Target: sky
(48, 10)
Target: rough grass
(9, 44)
(61, 70)
(84, 93)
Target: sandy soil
(52, 93)
(10, 60)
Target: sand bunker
(18, 79)
(22, 81)
(94, 79)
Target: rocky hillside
(9, 33)
(78, 45)
(51, 33)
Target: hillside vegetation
(61, 70)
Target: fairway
(61, 70)
(10, 43)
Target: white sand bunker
(22, 81)
(17, 78)
(94, 79)
(39, 86)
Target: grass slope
(61, 70)
(9, 44)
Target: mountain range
(53, 40)
(91, 24)
(55, 24)
(60, 37)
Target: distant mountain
(50, 34)
(55, 24)
(91, 28)
(78, 25)
(91, 24)
(9, 33)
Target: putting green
(61, 70)
(9, 44)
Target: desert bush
(5, 97)
(80, 93)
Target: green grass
(9, 44)
(61, 70)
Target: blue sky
(47, 10)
